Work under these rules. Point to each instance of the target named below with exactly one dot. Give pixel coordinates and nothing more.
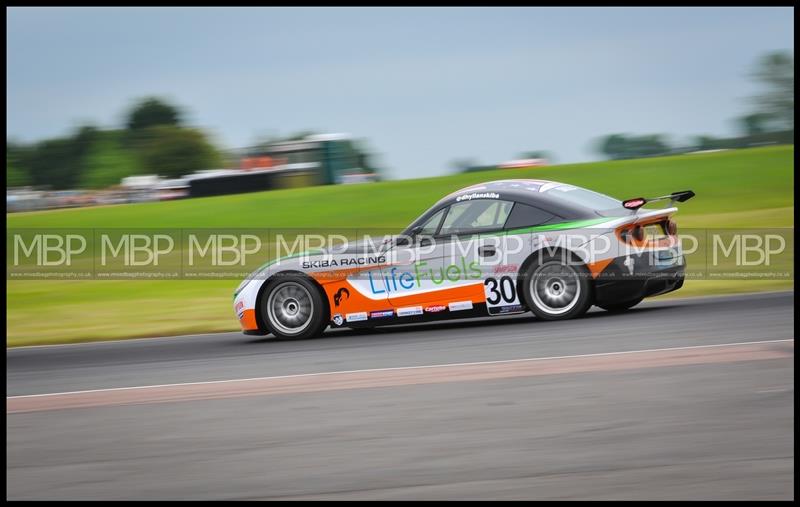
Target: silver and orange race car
(496, 248)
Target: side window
(429, 228)
(524, 215)
(475, 216)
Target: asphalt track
(677, 399)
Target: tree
(621, 146)
(754, 124)
(15, 177)
(615, 146)
(54, 163)
(107, 163)
(776, 72)
(173, 151)
(650, 145)
(706, 142)
(151, 112)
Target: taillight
(649, 233)
(672, 228)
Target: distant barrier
(255, 181)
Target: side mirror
(407, 239)
(413, 237)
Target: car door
(484, 239)
(396, 282)
(448, 274)
(406, 279)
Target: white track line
(503, 361)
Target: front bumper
(244, 306)
(633, 277)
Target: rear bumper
(635, 277)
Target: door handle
(486, 251)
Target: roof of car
(527, 191)
(517, 183)
(518, 190)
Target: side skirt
(478, 310)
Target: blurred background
(114, 105)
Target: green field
(742, 188)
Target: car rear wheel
(621, 307)
(292, 307)
(557, 289)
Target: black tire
(621, 307)
(298, 309)
(567, 289)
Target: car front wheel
(292, 307)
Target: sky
(422, 86)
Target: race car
(495, 248)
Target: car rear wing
(638, 202)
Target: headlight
(242, 285)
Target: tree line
(770, 120)
(154, 140)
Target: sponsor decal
(337, 319)
(509, 268)
(239, 306)
(356, 317)
(435, 308)
(398, 281)
(507, 309)
(460, 305)
(347, 261)
(477, 195)
(341, 293)
(239, 309)
(411, 310)
(381, 314)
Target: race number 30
(501, 296)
